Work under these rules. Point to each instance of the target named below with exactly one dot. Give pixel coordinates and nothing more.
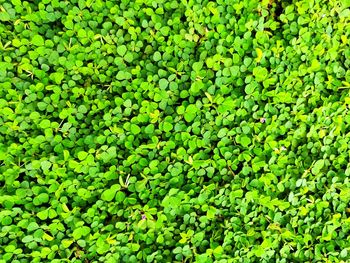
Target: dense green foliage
(174, 131)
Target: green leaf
(167, 127)
(27, 239)
(344, 253)
(222, 132)
(66, 243)
(249, 89)
(129, 57)
(10, 248)
(44, 124)
(190, 113)
(135, 129)
(45, 165)
(211, 212)
(135, 247)
(80, 232)
(245, 141)
(119, 197)
(81, 33)
(163, 83)
(149, 129)
(81, 4)
(315, 65)
(43, 214)
(319, 164)
(260, 73)
(43, 198)
(218, 251)
(108, 194)
(121, 50)
(236, 194)
(82, 109)
(82, 155)
(38, 40)
(57, 77)
(16, 2)
(122, 75)
(32, 226)
(157, 56)
(120, 20)
(197, 66)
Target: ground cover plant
(174, 131)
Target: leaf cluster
(174, 131)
